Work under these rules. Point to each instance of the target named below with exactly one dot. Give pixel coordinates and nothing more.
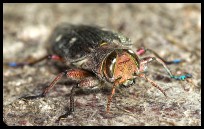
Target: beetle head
(121, 65)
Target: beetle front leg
(111, 95)
(142, 51)
(110, 99)
(153, 83)
(146, 60)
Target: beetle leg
(75, 74)
(71, 108)
(110, 98)
(153, 83)
(88, 82)
(32, 62)
(111, 95)
(149, 59)
(84, 83)
(59, 76)
(142, 51)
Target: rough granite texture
(173, 30)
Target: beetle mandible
(96, 55)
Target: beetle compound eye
(110, 64)
(132, 53)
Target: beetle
(97, 55)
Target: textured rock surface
(173, 30)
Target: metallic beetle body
(89, 47)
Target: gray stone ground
(173, 30)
